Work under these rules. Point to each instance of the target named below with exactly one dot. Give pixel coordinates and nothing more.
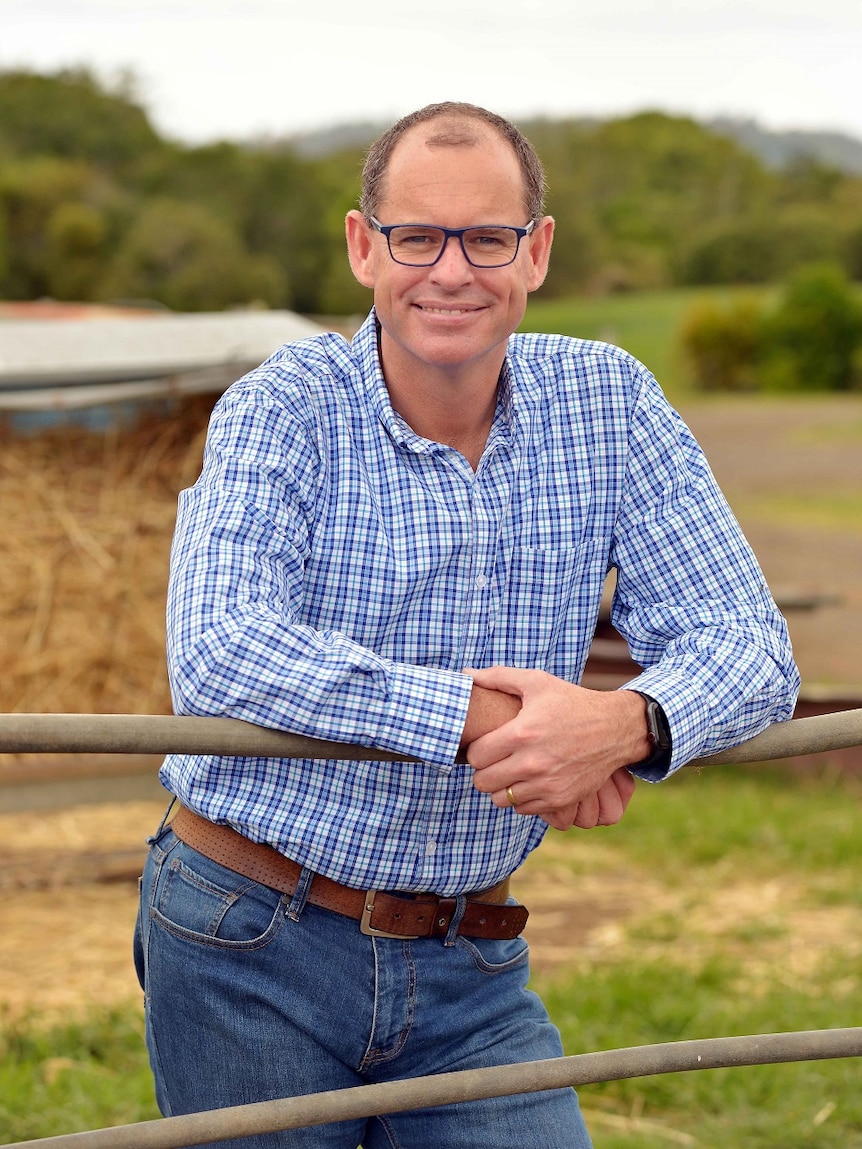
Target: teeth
(446, 310)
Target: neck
(453, 406)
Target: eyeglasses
(419, 245)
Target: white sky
(238, 68)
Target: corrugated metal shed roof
(92, 356)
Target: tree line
(96, 205)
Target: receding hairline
(452, 124)
(453, 131)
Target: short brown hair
(457, 117)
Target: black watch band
(658, 732)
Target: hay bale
(87, 525)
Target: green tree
(73, 116)
(721, 343)
(736, 250)
(186, 257)
(32, 189)
(812, 340)
(279, 205)
(639, 189)
(75, 239)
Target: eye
(489, 238)
(415, 237)
(491, 246)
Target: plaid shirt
(332, 573)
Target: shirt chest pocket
(548, 607)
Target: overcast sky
(235, 69)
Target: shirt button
(481, 581)
(430, 846)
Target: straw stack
(86, 529)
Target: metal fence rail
(166, 733)
(158, 734)
(466, 1085)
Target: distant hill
(339, 137)
(775, 149)
(778, 149)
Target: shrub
(721, 343)
(811, 342)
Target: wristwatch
(658, 732)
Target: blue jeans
(252, 995)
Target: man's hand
(562, 756)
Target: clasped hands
(558, 749)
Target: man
(402, 543)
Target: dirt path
(770, 458)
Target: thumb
(507, 679)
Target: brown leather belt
(379, 913)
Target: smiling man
(403, 543)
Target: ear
(360, 248)
(539, 252)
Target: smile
(447, 310)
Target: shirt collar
(366, 352)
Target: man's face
(451, 315)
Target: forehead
(437, 172)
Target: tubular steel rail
(166, 733)
(155, 734)
(466, 1085)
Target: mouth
(448, 312)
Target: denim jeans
(252, 995)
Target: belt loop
(155, 837)
(455, 923)
(300, 894)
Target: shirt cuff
(687, 717)
(427, 709)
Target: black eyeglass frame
(386, 230)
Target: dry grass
(87, 526)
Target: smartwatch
(658, 732)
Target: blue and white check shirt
(332, 573)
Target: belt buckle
(365, 926)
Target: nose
(453, 264)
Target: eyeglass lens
(483, 246)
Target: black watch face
(658, 725)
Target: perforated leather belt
(379, 913)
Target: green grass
(647, 324)
(716, 831)
(753, 1107)
(828, 510)
(644, 323)
(85, 1074)
(759, 820)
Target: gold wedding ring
(511, 796)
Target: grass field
(645, 324)
(764, 937)
(732, 902)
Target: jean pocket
(492, 957)
(208, 904)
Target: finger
(611, 808)
(562, 819)
(508, 679)
(493, 776)
(587, 817)
(614, 797)
(503, 799)
(625, 782)
(494, 747)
